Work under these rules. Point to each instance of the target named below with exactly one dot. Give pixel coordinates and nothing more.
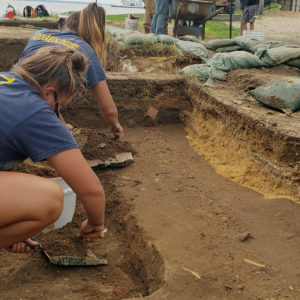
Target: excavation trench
(244, 141)
(253, 146)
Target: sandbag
(283, 95)
(249, 44)
(192, 48)
(190, 38)
(116, 32)
(203, 72)
(220, 43)
(228, 49)
(234, 60)
(279, 55)
(136, 38)
(166, 39)
(294, 63)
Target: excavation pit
(190, 246)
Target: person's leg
(244, 20)
(147, 21)
(253, 11)
(154, 21)
(162, 12)
(149, 12)
(28, 204)
(243, 26)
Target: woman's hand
(87, 228)
(117, 130)
(22, 247)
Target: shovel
(64, 260)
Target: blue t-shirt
(28, 126)
(95, 72)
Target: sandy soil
(177, 230)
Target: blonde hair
(89, 24)
(65, 68)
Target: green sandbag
(134, 38)
(219, 43)
(117, 32)
(280, 94)
(203, 72)
(247, 43)
(166, 39)
(270, 45)
(190, 38)
(228, 49)
(294, 63)
(234, 60)
(192, 48)
(279, 55)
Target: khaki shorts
(250, 13)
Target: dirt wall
(141, 98)
(10, 51)
(245, 148)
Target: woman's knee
(55, 202)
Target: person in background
(84, 32)
(249, 12)
(149, 13)
(160, 17)
(31, 96)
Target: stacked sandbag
(191, 48)
(279, 55)
(222, 45)
(136, 39)
(234, 60)
(283, 95)
(116, 32)
(203, 72)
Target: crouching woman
(31, 96)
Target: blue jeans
(160, 16)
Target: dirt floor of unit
(211, 237)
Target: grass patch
(273, 7)
(121, 18)
(218, 30)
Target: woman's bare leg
(28, 204)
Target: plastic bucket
(132, 24)
(256, 34)
(68, 209)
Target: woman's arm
(107, 107)
(74, 169)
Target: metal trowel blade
(63, 260)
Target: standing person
(160, 17)
(85, 32)
(31, 96)
(149, 13)
(249, 12)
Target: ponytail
(64, 67)
(89, 24)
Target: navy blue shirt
(95, 72)
(28, 126)
(245, 3)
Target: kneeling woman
(31, 96)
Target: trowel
(121, 160)
(64, 260)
